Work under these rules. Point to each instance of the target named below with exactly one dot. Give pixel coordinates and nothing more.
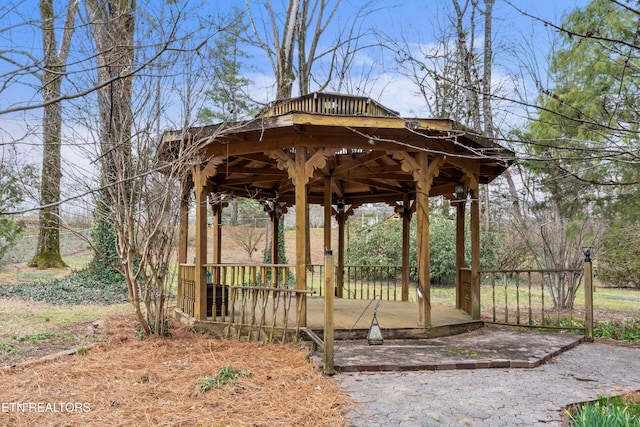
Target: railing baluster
(493, 292)
(543, 321)
(276, 303)
(234, 295)
(300, 303)
(518, 299)
(287, 310)
(506, 301)
(388, 274)
(530, 310)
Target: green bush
(11, 196)
(381, 244)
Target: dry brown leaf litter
(126, 381)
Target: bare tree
(293, 45)
(248, 238)
(141, 187)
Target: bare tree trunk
(487, 67)
(306, 58)
(467, 63)
(113, 25)
(234, 211)
(284, 71)
(48, 251)
(486, 93)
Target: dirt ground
(123, 380)
(69, 337)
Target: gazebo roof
(366, 149)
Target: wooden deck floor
(396, 319)
(352, 319)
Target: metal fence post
(588, 295)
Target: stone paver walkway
(483, 348)
(495, 396)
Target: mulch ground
(125, 381)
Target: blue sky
(417, 21)
(420, 22)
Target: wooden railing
(328, 104)
(534, 298)
(264, 314)
(362, 281)
(509, 297)
(266, 275)
(254, 302)
(186, 295)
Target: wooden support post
(328, 209)
(423, 186)
(340, 272)
(301, 230)
(328, 314)
(588, 300)
(406, 246)
(475, 250)
(200, 181)
(460, 221)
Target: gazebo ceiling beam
(357, 161)
(337, 188)
(265, 170)
(249, 180)
(372, 183)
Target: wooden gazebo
(337, 151)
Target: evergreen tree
(585, 137)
